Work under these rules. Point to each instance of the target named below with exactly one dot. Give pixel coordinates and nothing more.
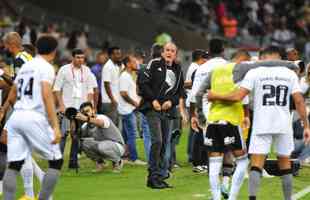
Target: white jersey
(201, 74)
(28, 83)
(191, 69)
(271, 88)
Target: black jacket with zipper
(152, 86)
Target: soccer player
(223, 132)
(271, 88)
(13, 44)
(33, 123)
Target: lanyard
(74, 75)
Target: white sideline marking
(301, 193)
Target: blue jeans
(301, 151)
(146, 136)
(129, 131)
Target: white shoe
(137, 162)
(199, 169)
(205, 167)
(266, 175)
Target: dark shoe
(155, 184)
(167, 185)
(167, 176)
(73, 165)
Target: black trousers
(200, 153)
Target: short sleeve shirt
(271, 89)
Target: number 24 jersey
(28, 84)
(271, 89)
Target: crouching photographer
(100, 138)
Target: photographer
(101, 139)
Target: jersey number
(275, 95)
(27, 90)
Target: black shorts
(223, 137)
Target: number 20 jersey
(271, 89)
(28, 84)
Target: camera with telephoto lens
(71, 113)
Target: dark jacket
(152, 84)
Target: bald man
(161, 86)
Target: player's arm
(10, 101)
(204, 86)
(8, 79)
(48, 100)
(301, 109)
(235, 96)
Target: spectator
(199, 57)
(283, 37)
(101, 59)
(73, 40)
(73, 86)
(162, 38)
(230, 26)
(301, 151)
(110, 84)
(128, 102)
(143, 125)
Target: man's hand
(246, 123)
(166, 105)
(195, 124)
(57, 134)
(81, 117)
(156, 105)
(184, 116)
(136, 104)
(307, 136)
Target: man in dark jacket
(161, 87)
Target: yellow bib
(222, 83)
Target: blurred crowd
(252, 23)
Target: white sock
(1, 187)
(38, 171)
(225, 182)
(215, 164)
(238, 177)
(27, 175)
